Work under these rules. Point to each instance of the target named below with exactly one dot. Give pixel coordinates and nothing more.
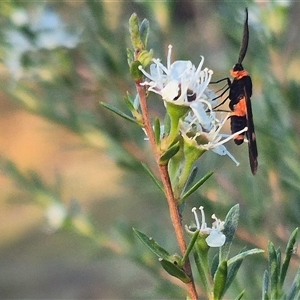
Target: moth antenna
(244, 45)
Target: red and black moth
(240, 91)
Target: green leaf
(144, 31)
(169, 262)
(220, 280)
(265, 286)
(190, 179)
(274, 271)
(133, 105)
(288, 254)
(174, 270)
(233, 269)
(235, 262)
(230, 226)
(240, 296)
(190, 247)
(294, 292)
(157, 131)
(214, 265)
(243, 254)
(155, 180)
(265, 297)
(164, 159)
(204, 276)
(129, 102)
(153, 245)
(130, 57)
(134, 30)
(278, 255)
(200, 253)
(167, 124)
(135, 72)
(196, 185)
(119, 113)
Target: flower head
(180, 82)
(215, 236)
(201, 128)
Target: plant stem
(173, 207)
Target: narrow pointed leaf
(167, 124)
(240, 296)
(190, 179)
(200, 253)
(274, 271)
(204, 276)
(155, 180)
(220, 280)
(196, 185)
(288, 254)
(265, 286)
(164, 159)
(233, 269)
(144, 31)
(174, 270)
(230, 226)
(135, 32)
(214, 265)
(119, 113)
(294, 292)
(235, 262)
(243, 254)
(157, 131)
(190, 247)
(278, 255)
(152, 245)
(130, 56)
(129, 102)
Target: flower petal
(215, 238)
(170, 91)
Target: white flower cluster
(181, 83)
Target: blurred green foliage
(60, 59)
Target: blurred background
(71, 182)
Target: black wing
(252, 147)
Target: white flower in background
(180, 82)
(215, 236)
(56, 214)
(39, 28)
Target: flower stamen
(196, 217)
(213, 236)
